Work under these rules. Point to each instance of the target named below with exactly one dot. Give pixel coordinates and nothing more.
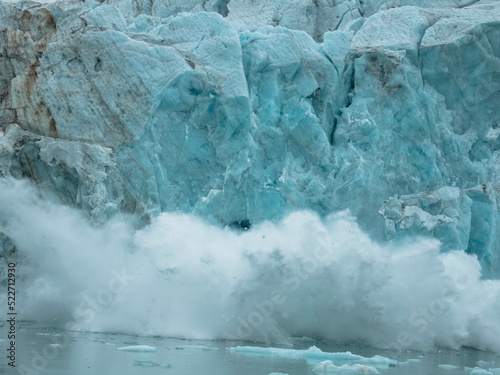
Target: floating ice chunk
(314, 353)
(447, 367)
(479, 371)
(414, 360)
(150, 364)
(198, 347)
(146, 364)
(138, 348)
(329, 367)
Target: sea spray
(304, 276)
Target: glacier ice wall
(242, 111)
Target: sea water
(48, 351)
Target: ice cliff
(244, 110)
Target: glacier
(243, 112)
(124, 107)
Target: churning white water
(303, 276)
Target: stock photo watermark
(11, 314)
(264, 309)
(421, 319)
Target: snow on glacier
(242, 112)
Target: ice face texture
(242, 111)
